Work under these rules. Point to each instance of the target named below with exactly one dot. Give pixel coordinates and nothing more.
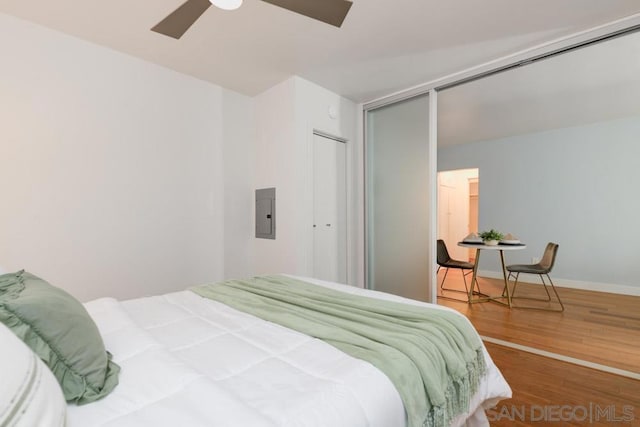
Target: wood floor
(554, 393)
(595, 327)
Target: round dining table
(501, 248)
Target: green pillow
(60, 331)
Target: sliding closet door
(397, 199)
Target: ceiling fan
(178, 22)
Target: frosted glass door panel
(398, 199)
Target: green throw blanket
(433, 357)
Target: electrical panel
(266, 213)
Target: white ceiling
(382, 47)
(596, 83)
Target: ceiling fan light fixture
(227, 4)
(180, 20)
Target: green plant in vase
(491, 237)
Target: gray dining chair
(543, 268)
(445, 261)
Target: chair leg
(466, 291)
(556, 292)
(464, 279)
(548, 299)
(545, 287)
(504, 290)
(446, 271)
(515, 284)
(479, 291)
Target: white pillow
(30, 396)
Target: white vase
(491, 242)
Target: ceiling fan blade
(178, 22)
(331, 12)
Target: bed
(192, 361)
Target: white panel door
(443, 211)
(453, 210)
(329, 210)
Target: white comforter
(190, 361)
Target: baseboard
(572, 284)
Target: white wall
(575, 186)
(238, 203)
(285, 118)
(275, 166)
(112, 174)
(123, 178)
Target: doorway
(329, 208)
(473, 211)
(458, 198)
